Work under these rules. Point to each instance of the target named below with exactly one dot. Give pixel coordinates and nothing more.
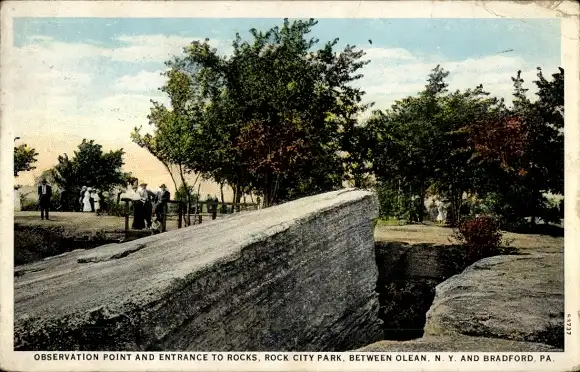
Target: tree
(274, 114)
(522, 150)
(457, 175)
(90, 166)
(24, 157)
(174, 140)
(408, 141)
(421, 144)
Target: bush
(28, 205)
(393, 203)
(480, 236)
(114, 209)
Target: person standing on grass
(44, 195)
(97, 201)
(82, 197)
(138, 218)
(92, 199)
(145, 199)
(87, 200)
(162, 198)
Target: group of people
(91, 200)
(145, 204)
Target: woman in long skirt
(138, 215)
(97, 201)
(87, 200)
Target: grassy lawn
(438, 235)
(77, 222)
(74, 222)
(36, 239)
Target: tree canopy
(90, 166)
(274, 118)
(469, 142)
(280, 117)
(24, 158)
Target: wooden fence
(197, 210)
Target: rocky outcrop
(517, 297)
(502, 303)
(298, 276)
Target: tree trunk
(276, 187)
(533, 210)
(197, 215)
(186, 219)
(238, 197)
(421, 205)
(171, 175)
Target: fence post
(213, 210)
(179, 215)
(164, 219)
(126, 213)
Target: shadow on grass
(34, 243)
(540, 229)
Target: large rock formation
(299, 276)
(516, 297)
(502, 303)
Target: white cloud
(388, 53)
(143, 81)
(154, 47)
(394, 75)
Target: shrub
(114, 209)
(28, 204)
(480, 236)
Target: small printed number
(569, 324)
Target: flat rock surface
(512, 297)
(296, 276)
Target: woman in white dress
(87, 200)
(97, 200)
(442, 216)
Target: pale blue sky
(456, 38)
(80, 77)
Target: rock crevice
(501, 303)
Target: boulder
(300, 276)
(508, 303)
(511, 297)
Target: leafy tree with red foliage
(522, 149)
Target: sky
(94, 77)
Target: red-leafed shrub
(480, 236)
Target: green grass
(36, 239)
(391, 222)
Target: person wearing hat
(44, 195)
(145, 197)
(161, 199)
(138, 213)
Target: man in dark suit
(44, 195)
(161, 199)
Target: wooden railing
(212, 210)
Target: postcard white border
(567, 12)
